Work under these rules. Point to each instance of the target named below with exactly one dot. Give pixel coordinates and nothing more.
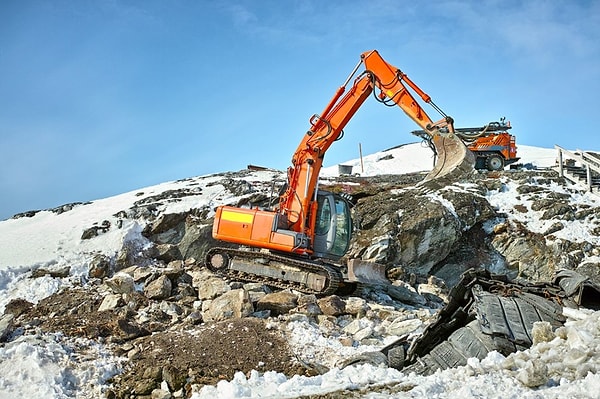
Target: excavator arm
(453, 156)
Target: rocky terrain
(176, 327)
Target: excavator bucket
(454, 160)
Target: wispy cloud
(536, 32)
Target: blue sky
(107, 96)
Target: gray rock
(168, 252)
(89, 233)
(414, 229)
(278, 302)
(363, 333)
(404, 295)
(111, 301)
(6, 325)
(160, 394)
(401, 326)
(309, 309)
(532, 255)
(166, 229)
(185, 290)
(196, 240)
(332, 305)
(174, 377)
(356, 306)
(353, 327)
(211, 287)
(60, 272)
(232, 304)
(141, 274)
(121, 283)
(144, 386)
(153, 373)
(159, 288)
(556, 226)
(99, 266)
(134, 253)
(256, 287)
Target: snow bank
(49, 366)
(506, 199)
(277, 385)
(565, 367)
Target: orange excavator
(299, 244)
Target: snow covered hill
(53, 236)
(47, 366)
(417, 157)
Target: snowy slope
(417, 157)
(46, 366)
(36, 241)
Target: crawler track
(273, 270)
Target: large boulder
(534, 256)
(413, 229)
(537, 255)
(185, 235)
(159, 288)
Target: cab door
(333, 228)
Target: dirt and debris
(181, 355)
(208, 354)
(74, 312)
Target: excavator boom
(453, 160)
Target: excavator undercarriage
(275, 270)
(285, 272)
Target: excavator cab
(333, 227)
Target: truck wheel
(494, 162)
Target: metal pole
(362, 166)
(560, 162)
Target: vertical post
(560, 163)
(362, 166)
(588, 176)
